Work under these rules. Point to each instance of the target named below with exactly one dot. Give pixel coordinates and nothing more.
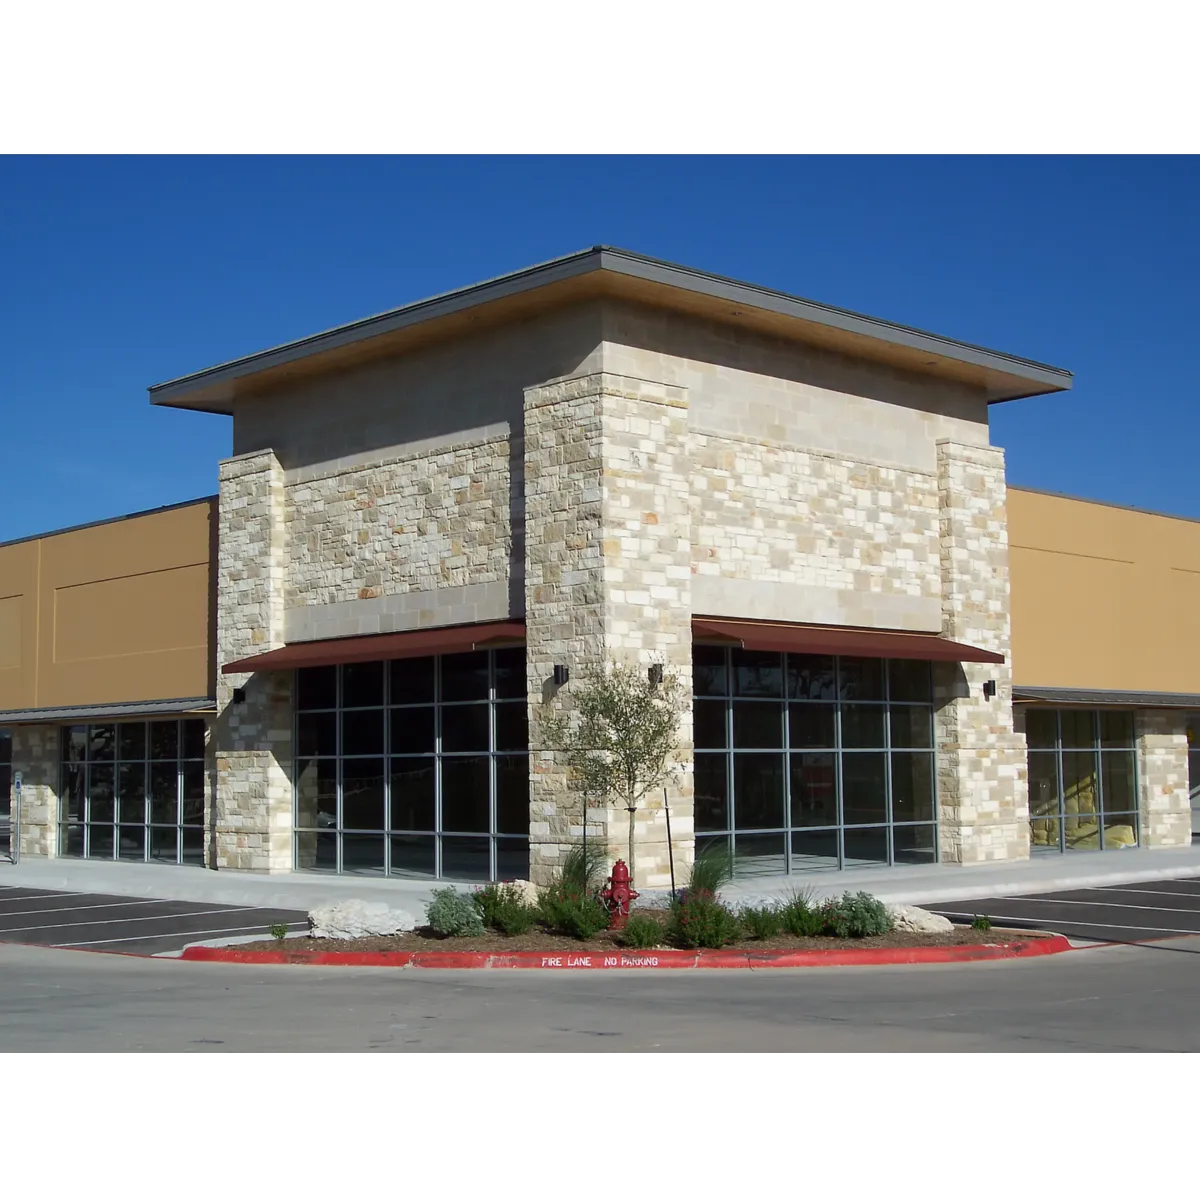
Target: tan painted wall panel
(1103, 597)
(18, 624)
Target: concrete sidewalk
(902, 885)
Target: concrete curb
(1030, 947)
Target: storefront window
(133, 791)
(807, 762)
(1193, 737)
(417, 767)
(1082, 779)
(5, 790)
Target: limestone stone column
(1164, 808)
(607, 579)
(35, 753)
(253, 817)
(982, 775)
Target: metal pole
(670, 848)
(14, 830)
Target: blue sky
(117, 273)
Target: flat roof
(605, 270)
(143, 512)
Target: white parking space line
(206, 912)
(28, 899)
(26, 912)
(190, 934)
(995, 918)
(1100, 904)
(1143, 891)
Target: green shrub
(582, 869)
(279, 931)
(761, 921)
(856, 915)
(502, 906)
(801, 917)
(981, 923)
(712, 871)
(699, 919)
(642, 933)
(453, 914)
(573, 914)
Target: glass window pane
(759, 854)
(362, 685)
(914, 844)
(510, 674)
(100, 841)
(1081, 801)
(164, 793)
(101, 807)
(512, 726)
(316, 734)
(814, 789)
(912, 787)
(811, 677)
(757, 673)
(131, 843)
(70, 841)
(864, 796)
(1078, 729)
(910, 679)
(1120, 830)
(192, 846)
(912, 728)
(193, 793)
(465, 728)
(411, 680)
(74, 743)
(316, 851)
(102, 741)
(316, 793)
(466, 858)
(708, 724)
(316, 687)
(412, 730)
(512, 858)
(758, 791)
(362, 731)
(5, 747)
(1041, 728)
(757, 726)
(193, 739)
(1116, 730)
(72, 785)
(1118, 774)
(512, 793)
(131, 741)
(362, 854)
(711, 792)
(717, 842)
(862, 726)
(164, 739)
(466, 806)
(131, 794)
(465, 676)
(413, 784)
(861, 678)
(865, 847)
(709, 677)
(164, 845)
(362, 793)
(1043, 799)
(815, 851)
(413, 856)
(812, 725)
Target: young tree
(620, 748)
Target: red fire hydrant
(618, 896)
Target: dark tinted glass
(193, 739)
(465, 728)
(164, 793)
(814, 789)
(131, 792)
(759, 854)
(512, 726)
(708, 724)
(466, 858)
(102, 740)
(316, 793)
(100, 786)
(1041, 728)
(465, 676)
(912, 787)
(815, 851)
(316, 687)
(510, 674)
(465, 795)
(412, 730)
(709, 677)
(1078, 729)
(512, 858)
(362, 685)
(413, 783)
(164, 740)
(512, 794)
(413, 856)
(363, 854)
(164, 845)
(757, 673)
(711, 792)
(912, 728)
(74, 743)
(317, 733)
(864, 795)
(362, 731)
(862, 726)
(812, 725)
(72, 783)
(758, 791)
(910, 679)
(865, 847)
(193, 794)
(913, 844)
(811, 677)
(131, 741)
(861, 678)
(362, 793)
(1116, 730)
(412, 680)
(757, 726)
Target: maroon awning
(416, 643)
(832, 639)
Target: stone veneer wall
(252, 824)
(981, 764)
(35, 753)
(608, 571)
(1165, 815)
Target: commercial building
(338, 664)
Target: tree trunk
(632, 815)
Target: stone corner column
(252, 824)
(1164, 805)
(35, 753)
(981, 763)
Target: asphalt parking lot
(124, 924)
(1122, 913)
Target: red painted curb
(634, 959)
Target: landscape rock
(528, 890)
(910, 919)
(359, 918)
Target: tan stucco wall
(1103, 597)
(109, 613)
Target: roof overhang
(607, 272)
(193, 706)
(1104, 698)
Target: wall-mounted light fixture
(239, 695)
(654, 674)
(989, 689)
(562, 674)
